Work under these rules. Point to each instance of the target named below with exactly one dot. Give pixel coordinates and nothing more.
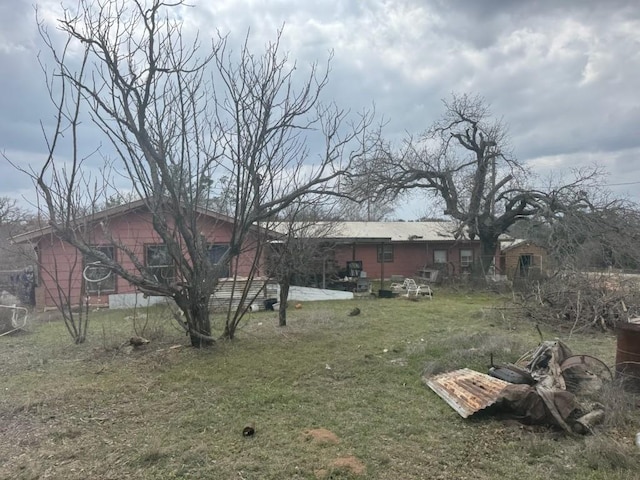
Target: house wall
(509, 261)
(60, 269)
(408, 257)
(61, 264)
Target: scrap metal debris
(467, 391)
(511, 373)
(548, 396)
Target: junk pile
(549, 386)
(12, 317)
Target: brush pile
(583, 300)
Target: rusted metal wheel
(585, 373)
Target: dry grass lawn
(330, 396)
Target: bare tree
(75, 316)
(302, 251)
(464, 160)
(11, 213)
(16, 261)
(167, 105)
(367, 209)
(606, 236)
(13, 221)
(364, 200)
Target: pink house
(62, 269)
(408, 249)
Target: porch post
(381, 265)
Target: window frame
(463, 263)
(96, 287)
(213, 246)
(171, 267)
(446, 256)
(385, 253)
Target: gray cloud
(562, 75)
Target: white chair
(412, 288)
(425, 291)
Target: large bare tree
(179, 116)
(465, 162)
(579, 240)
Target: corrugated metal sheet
(377, 231)
(397, 231)
(308, 294)
(221, 296)
(467, 391)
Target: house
(62, 269)
(521, 258)
(423, 250)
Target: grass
(100, 411)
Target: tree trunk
(196, 310)
(228, 332)
(282, 308)
(489, 247)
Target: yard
(330, 396)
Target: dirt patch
(321, 436)
(350, 465)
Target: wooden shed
(522, 259)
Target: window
(216, 252)
(98, 278)
(385, 253)
(439, 257)
(466, 257)
(354, 268)
(159, 263)
(524, 264)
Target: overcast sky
(564, 75)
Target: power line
(619, 184)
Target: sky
(563, 75)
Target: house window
(159, 263)
(466, 258)
(385, 253)
(97, 277)
(439, 257)
(216, 252)
(524, 264)
(354, 268)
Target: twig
(578, 304)
(539, 333)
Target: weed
(606, 454)
(618, 403)
(166, 412)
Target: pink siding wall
(59, 272)
(61, 264)
(408, 257)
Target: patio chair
(17, 317)
(412, 288)
(397, 287)
(425, 291)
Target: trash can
(269, 303)
(628, 354)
